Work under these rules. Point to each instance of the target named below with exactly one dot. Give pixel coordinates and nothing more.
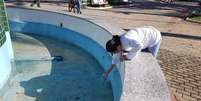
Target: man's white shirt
(137, 39)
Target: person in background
(35, 2)
(129, 44)
(78, 6)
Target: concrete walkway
(180, 53)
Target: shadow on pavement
(185, 36)
(162, 6)
(181, 36)
(178, 9)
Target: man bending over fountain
(128, 45)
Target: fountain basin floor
(77, 78)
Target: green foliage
(88, 2)
(196, 18)
(115, 2)
(3, 23)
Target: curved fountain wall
(80, 32)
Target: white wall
(87, 28)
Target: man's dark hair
(111, 45)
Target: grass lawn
(197, 18)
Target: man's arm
(105, 75)
(136, 48)
(124, 58)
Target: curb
(193, 21)
(99, 8)
(109, 7)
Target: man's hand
(123, 58)
(105, 76)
